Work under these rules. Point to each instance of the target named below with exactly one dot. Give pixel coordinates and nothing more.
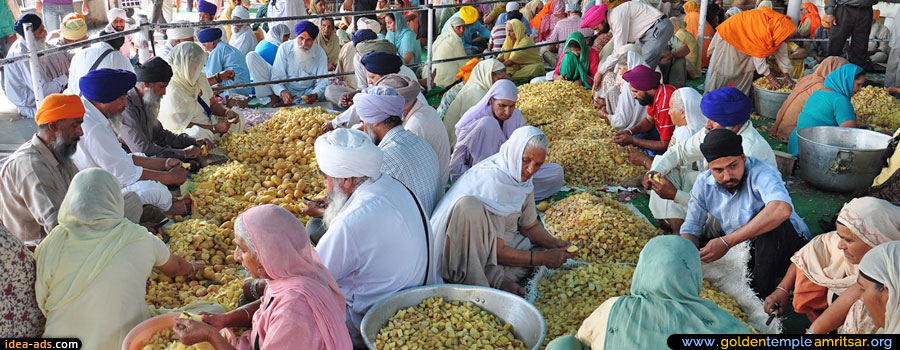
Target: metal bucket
(528, 324)
(840, 159)
(768, 102)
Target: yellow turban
(468, 14)
(58, 107)
(73, 27)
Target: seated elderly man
(878, 51)
(243, 39)
(54, 68)
(141, 130)
(750, 201)
(72, 30)
(485, 228)
(224, 57)
(725, 108)
(377, 238)
(104, 94)
(34, 180)
(175, 36)
(296, 59)
(407, 157)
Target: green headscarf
(576, 67)
(665, 299)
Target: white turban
(376, 103)
(368, 23)
(116, 13)
(240, 12)
(180, 33)
(512, 6)
(344, 153)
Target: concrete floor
(13, 131)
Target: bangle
(193, 267)
(724, 241)
(531, 260)
(630, 132)
(217, 78)
(783, 289)
(253, 291)
(249, 318)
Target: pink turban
(642, 78)
(593, 16)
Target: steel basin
(768, 102)
(527, 322)
(840, 159)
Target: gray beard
(115, 122)
(64, 151)
(302, 57)
(336, 201)
(151, 106)
(373, 135)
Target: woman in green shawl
(665, 300)
(399, 34)
(575, 64)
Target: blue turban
(106, 85)
(207, 7)
(308, 27)
(209, 34)
(363, 35)
(34, 19)
(381, 63)
(726, 106)
(376, 103)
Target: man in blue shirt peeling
(224, 57)
(750, 201)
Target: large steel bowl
(768, 102)
(527, 322)
(840, 159)
(147, 329)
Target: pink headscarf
(503, 89)
(593, 16)
(302, 308)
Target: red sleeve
(559, 64)
(664, 125)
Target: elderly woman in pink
(302, 307)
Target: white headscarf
(495, 181)
(180, 33)
(692, 114)
(276, 33)
(179, 105)
(344, 153)
(240, 12)
(880, 264)
(512, 6)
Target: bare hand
(327, 126)
(665, 190)
(554, 258)
(206, 142)
(623, 138)
(177, 176)
(218, 321)
(773, 82)
(226, 75)
(637, 157)
(222, 127)
(332, 67)
(311, 98)
(779, 298)
(191, 332)
(172, 163)
(714, 250)
(512, 287)
(893, 90)
(286, 98)
(347, 100)
(830, 20)
(788, 81)
(315, 207)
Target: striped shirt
(565, 27)
(659, 111)
(412, 161)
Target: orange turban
(691, 6)
(58, 107)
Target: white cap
(512, 6)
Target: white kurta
(286, 8)
(84, 59)
(18, 77)
(244, 40)
(375, 246)
(285, 68)
(100, 148)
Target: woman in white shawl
(485, 227)
(823, 273)
(189, 105)
(92, 269)
(879, 279)
(483, 76)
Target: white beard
(303, 57)
(151, 106)
(115, 123)
(336, 201)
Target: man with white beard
(175, 36)
(300, 58)
(104, 97)
(141, 130)
(54, 68)
(242, 38)
(34, 179)
(376, 243)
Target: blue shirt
(225, 57)
(762, 185)
(823, 108)
(476, 28)
(267, 51)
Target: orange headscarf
(58, 107)
(536, 21)
(692, 22)
(757, 33)
(813, 16)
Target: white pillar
(793, 10)
(35, 65)
(430, 40)
(704, 6)
(144, 37)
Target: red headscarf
(302, 308)
(813, 16)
